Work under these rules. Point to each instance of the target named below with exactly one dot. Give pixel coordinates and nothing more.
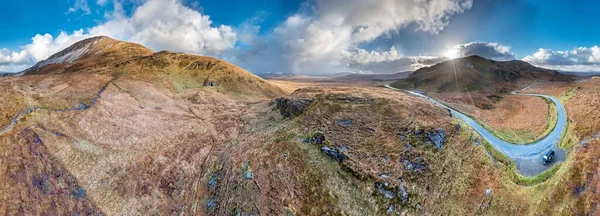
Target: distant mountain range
(340, 77)
(581, 74)
(7, 74)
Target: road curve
(527, 156)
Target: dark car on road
(547, 158)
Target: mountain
(475, 73)
(105, 55)
(373, 77)
(11, 74)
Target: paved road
(527, 157)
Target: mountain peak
(95, 50)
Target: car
(547, 158)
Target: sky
(315, 36)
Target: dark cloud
(492, 51)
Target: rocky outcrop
(290, 108)
(438, 137)
(333, 153)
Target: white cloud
(331, 33)
(101, 2)
(11, 61)
(12, 57)
(361, 56)
(578, 59)
(168, 25)
(400, 64)
(80, 5)
(487, 50)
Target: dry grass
(11, 103)
(181, 72)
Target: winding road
(527, 157)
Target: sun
(451, 53)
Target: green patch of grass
(552, 117)
(533, 180)
(183, 81)
(515, 136)
(499, 156)
(569, 94)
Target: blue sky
(315, 36)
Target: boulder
(488, 192)
(344, 122)
(385, 192)
(209, 83)
(414, 166)
(333, 153)
(289, 107)
(438, 137)
(402, 192)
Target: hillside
(475, 73)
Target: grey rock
(212, 182)
(414, 166)
(344, 123)
(488, 192)
(418, 132)
(385, 192)
(333, 153)
(247, 170)
(344, 148)
(403, 193)
(211, 203)
(438, 137)
(210, 83)
(317, 138)
(390, 210)
(384, 159)
(290, 108)
(477, 142)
